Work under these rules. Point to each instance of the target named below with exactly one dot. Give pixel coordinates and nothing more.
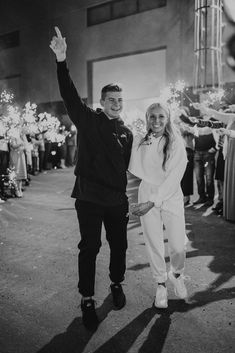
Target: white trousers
(171, 217)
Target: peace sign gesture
(58, 45)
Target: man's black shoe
(89, 317)
(200, 201)
(119, 298)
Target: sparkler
(172, 95)
(134, 119)
(213, 99)
(13, 119)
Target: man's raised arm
(76, 108)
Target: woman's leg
(152, 226)
(175, 233)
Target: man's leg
(90, 223)
(175, 233)
(199, 173)
(115, 222)
(210, 172)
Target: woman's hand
(59, 46)
(140, 209)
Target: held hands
(58, 45)
(199, 106)
(140, 209)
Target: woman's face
(157, 120)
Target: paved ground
(39, 301)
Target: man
(104, 147)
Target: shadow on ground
(75, 339)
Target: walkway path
(39, 299)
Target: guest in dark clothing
(100, 187)
(71, 143)
(204, 166)
(46, 160)
(187, 180)
(41, 151)
(4, 163)
(187, 130)
(62, 147)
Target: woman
(160, 160)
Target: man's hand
(140, 209)
(59, 46)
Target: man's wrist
(60, 58)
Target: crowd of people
(210, 150)
(23, 155)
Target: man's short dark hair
(112, 87)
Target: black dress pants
(90, 218)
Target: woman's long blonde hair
(168, 134)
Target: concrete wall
(171, 27)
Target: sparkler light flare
(6, 97)
(180, 86)
(14, 120)
(213, 99)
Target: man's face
(112, 104)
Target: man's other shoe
(161, 297)
(89, 316)
(179, 286)
(119, 298)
